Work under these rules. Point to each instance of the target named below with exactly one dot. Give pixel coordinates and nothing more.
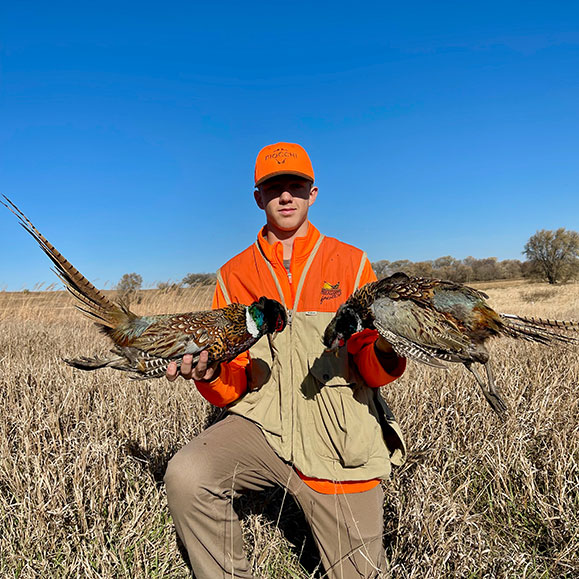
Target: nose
(285, 197)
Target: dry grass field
(82, 457)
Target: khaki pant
(232, 456)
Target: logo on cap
(280, 155)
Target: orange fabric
(230, 384)
(247, 278)
(282, 159)
(302, 248)
(328, 487)
(361, 346)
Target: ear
(258, 199)
(313, 196)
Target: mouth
(288, 211)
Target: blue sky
(129, 130)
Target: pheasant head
(345, 323)
(265, 317)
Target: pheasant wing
(170, 337)
(173, 336)
(419, 333)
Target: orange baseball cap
(282, 159)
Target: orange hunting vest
(314, 407)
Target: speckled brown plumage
(435, 321)
(144, 345)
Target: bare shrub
(128, 287)
(192, 279)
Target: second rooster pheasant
(144, 345)
(434, 321)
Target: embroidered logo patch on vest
(330, 291)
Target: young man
(298, 416)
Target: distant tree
(511, 268)
(192, 279)
(381, 268)
(445, 267)
(423, 268)
(403, 265)
(128, 287)
(449, 268)
(487, 269)
(462, 273)
(530, 270)
(554, 253)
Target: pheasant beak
(336, 344)
(279, 324)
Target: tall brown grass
(82, 457)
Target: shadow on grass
(280, 508)
(156, 460)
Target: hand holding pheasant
(434, 321)
(144, 345)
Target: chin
(289, 226)
(287, 223)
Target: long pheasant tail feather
(567, 325)
(540, 329)
(97, 362)
(95, 305)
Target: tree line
(461, 270)
(552, 256)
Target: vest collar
(301, 250)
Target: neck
(286, 238)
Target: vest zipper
(290, 279)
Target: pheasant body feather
(144, 345)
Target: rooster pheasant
(434, 321)
(144, 345)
